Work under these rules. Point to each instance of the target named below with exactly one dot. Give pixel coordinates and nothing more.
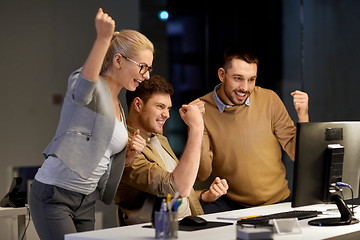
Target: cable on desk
(341, 184)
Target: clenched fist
(104, 24)
(135, 146)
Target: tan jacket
(145, 178)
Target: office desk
(21, 215)
(227, 232)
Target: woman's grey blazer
(84, 132)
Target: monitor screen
(310, 169)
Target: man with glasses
(246, 128)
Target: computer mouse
(193, 221)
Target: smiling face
(153, 114)
(238, 81)
(129, 70)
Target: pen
(249, 217)
(163, 207)
(176, 196)
(234, 218)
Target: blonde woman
(86, 158)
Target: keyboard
(264, 219)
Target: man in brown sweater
(246, 127)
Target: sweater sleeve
(206, 158)
(283, 126)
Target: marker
(168, 202)
(175, 206)
(179, 202)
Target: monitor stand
(346, 218)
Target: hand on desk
(218, 188)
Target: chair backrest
(120, 217)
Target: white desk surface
(227, 232)
(20, 212)
(10, 211)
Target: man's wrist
(201, 196)
(304, 119)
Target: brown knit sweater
(243, 145)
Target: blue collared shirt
(220, 104)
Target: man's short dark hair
(239, 53)
(156, 84)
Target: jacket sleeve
(81, 89)
(146, 175)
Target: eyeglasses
(143, 67)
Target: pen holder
(166, 225)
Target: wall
(331, 57)
(41, 43)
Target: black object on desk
(206, 226)
(264, 219)
(193, 221)
(14, 198)
(200, 225)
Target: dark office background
(302, 44)
(306, 45)
(194, 38)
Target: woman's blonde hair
(127, 42)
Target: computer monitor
(326, 153)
